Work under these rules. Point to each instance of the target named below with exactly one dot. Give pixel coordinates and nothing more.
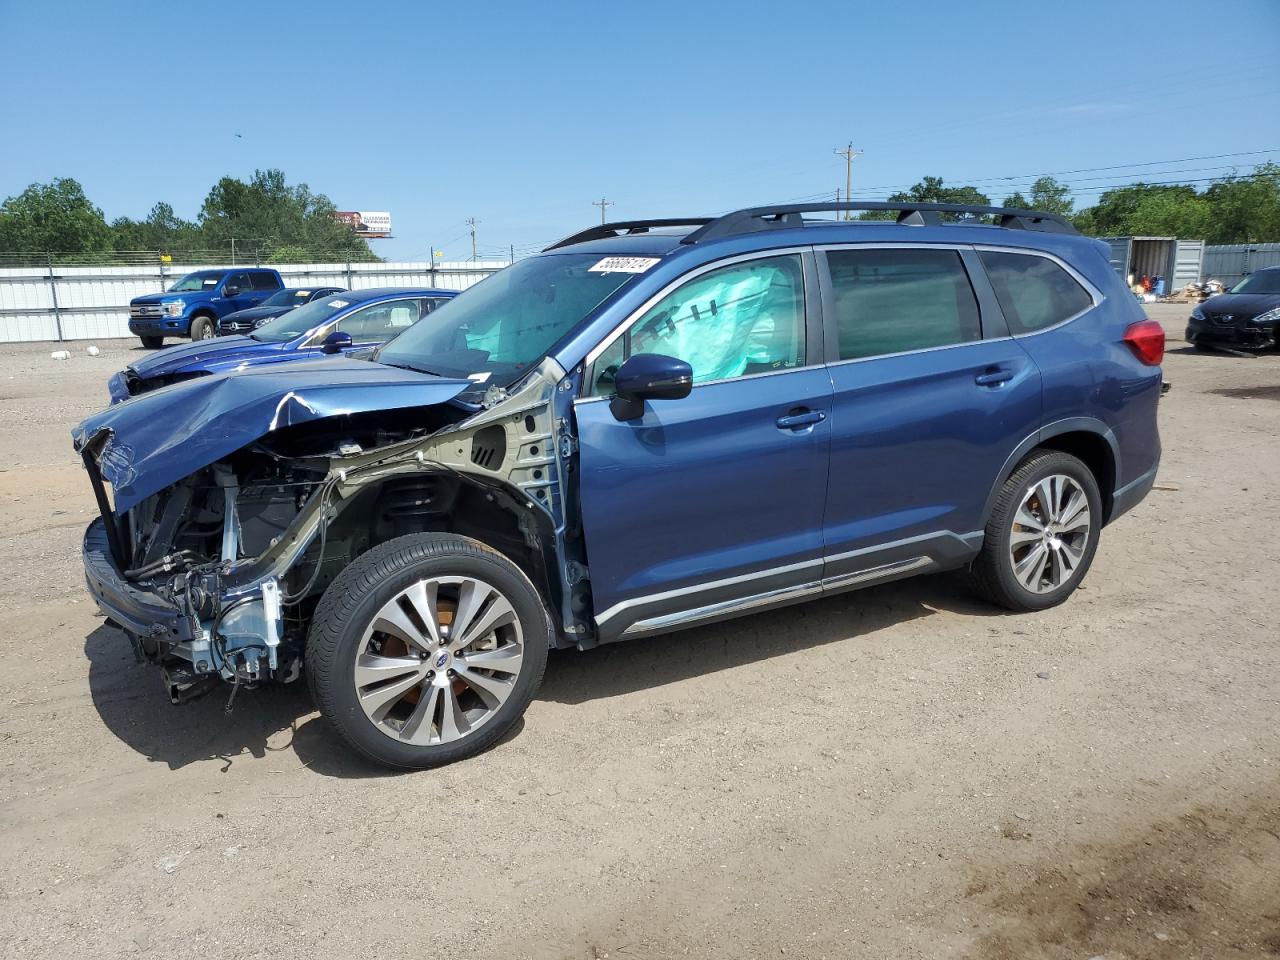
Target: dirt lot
(882, 774)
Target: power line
(602, 203)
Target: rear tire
(426, 650)
(152, 343)
(202, 328)
(1042, 534)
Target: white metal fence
(92, 302)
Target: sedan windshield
(200, 280)
(295, 323)
(1264, 281)
(287, 298)
(505, 324)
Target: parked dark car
(340, 323)
(1245, 317)
(280, 302)
(650, 425)
(191, 306)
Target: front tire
(426, 650)
(202, 328)
(152, 343)
(1042, 534)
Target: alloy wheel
(438, 660)
(1051, 530)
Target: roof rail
(626, 228)
(753, 219)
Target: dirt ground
(884, 774)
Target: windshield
(507, 322)
(1264, 281)
(287, 298)
(200, 280)
(295, 323)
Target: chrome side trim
(685, 618)
(967, 538)
(875, 573)
(771, 598)
(617, 608)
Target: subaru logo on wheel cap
(443, 658)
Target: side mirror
(648, 376)
(336, 342)
(231, 290)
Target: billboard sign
(367, 223)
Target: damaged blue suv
(650, 425)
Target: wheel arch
(1088, 439)
(457, 503)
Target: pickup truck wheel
(152, 343)
(426, 650)
(202, 328)
(1042, 534)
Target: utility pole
(602, 203)
(849, 154)
(471, 222)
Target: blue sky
(521, 114)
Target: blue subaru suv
(650, 425)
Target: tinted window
(240, 280)
(892, 301)
(382, 321)
(741, 319)
(1034, 292)
(1264, 281)
(263, 280)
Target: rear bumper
(138, 611)
(1132, 493)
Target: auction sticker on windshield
(338, 304)
(624, 265)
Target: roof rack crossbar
(625, 228)
(753, 219)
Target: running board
(755, 603)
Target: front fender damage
(248, 613)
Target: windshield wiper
(407, 366)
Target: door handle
(993, 377)
(801, 419)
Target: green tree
(1245, 209)
(1160, 210)
(1047, 195)
(932, 190)
(162, 231)
(266, 214)
(55, 217)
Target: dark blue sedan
(337, 324)
(278, 304)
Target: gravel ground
(880, 774)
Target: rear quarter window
(1034, 292)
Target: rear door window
(898, 300)
(1034, 292)
(381, 321)
(264, 280)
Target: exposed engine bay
(243, 548)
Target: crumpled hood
(1246, 305)
(158, 438)
(198, 354)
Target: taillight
(1146, 340)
